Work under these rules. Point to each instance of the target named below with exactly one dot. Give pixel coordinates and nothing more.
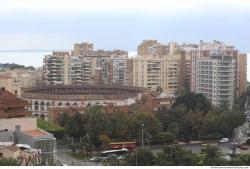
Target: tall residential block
(87, 49)
(152, 47)
(214, 77)
(242, 73)
(153, 72)
(78, 70)
(61, 68)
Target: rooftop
(35, 133)
(11, 148)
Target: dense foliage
(13, 66)
(191, 117)
(175, 156)
(118, 126)
(48, 126)
(8, 162)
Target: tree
(152, 125)
(63, 119)
(173, 128)
(176, 156)
(164, 137)
(96, 122)
(8, 162)
(105, 140)
(141, 157)
(211, 156)
(72, 128)
(194, 102)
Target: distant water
(27, 58)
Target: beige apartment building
(152, 47)
(63, 68)
(87, 49)
(153, 72)
(242, 73)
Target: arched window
(59, 104)
(42, 106)
(67, 104)
(36, 105)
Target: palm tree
(211, 156)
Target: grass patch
(48, 126)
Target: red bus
(119, 145)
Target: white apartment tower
(214, 77)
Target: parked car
(224, 140)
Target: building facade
(152, 47)
(64, 69)
(14, 122)
(157, 66)
(87, 49)
(214, 77)
(157, 72)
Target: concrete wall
(26, 123)
(6, 136)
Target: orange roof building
(11, 106)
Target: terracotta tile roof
(7, 99)
(35, 133)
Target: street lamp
(142, 134)
(135, 157)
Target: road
(64, 158)
(241, 133)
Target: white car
(224, 140)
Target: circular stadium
(43, 97)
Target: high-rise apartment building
(214, 77)
(83, 48)
(153, 72)
(152, 47)
(61, 68)
(78, 70)
(87, 49)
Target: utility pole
(142, 134)
(135, 157)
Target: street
(64, 159)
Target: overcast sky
(109, 24)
